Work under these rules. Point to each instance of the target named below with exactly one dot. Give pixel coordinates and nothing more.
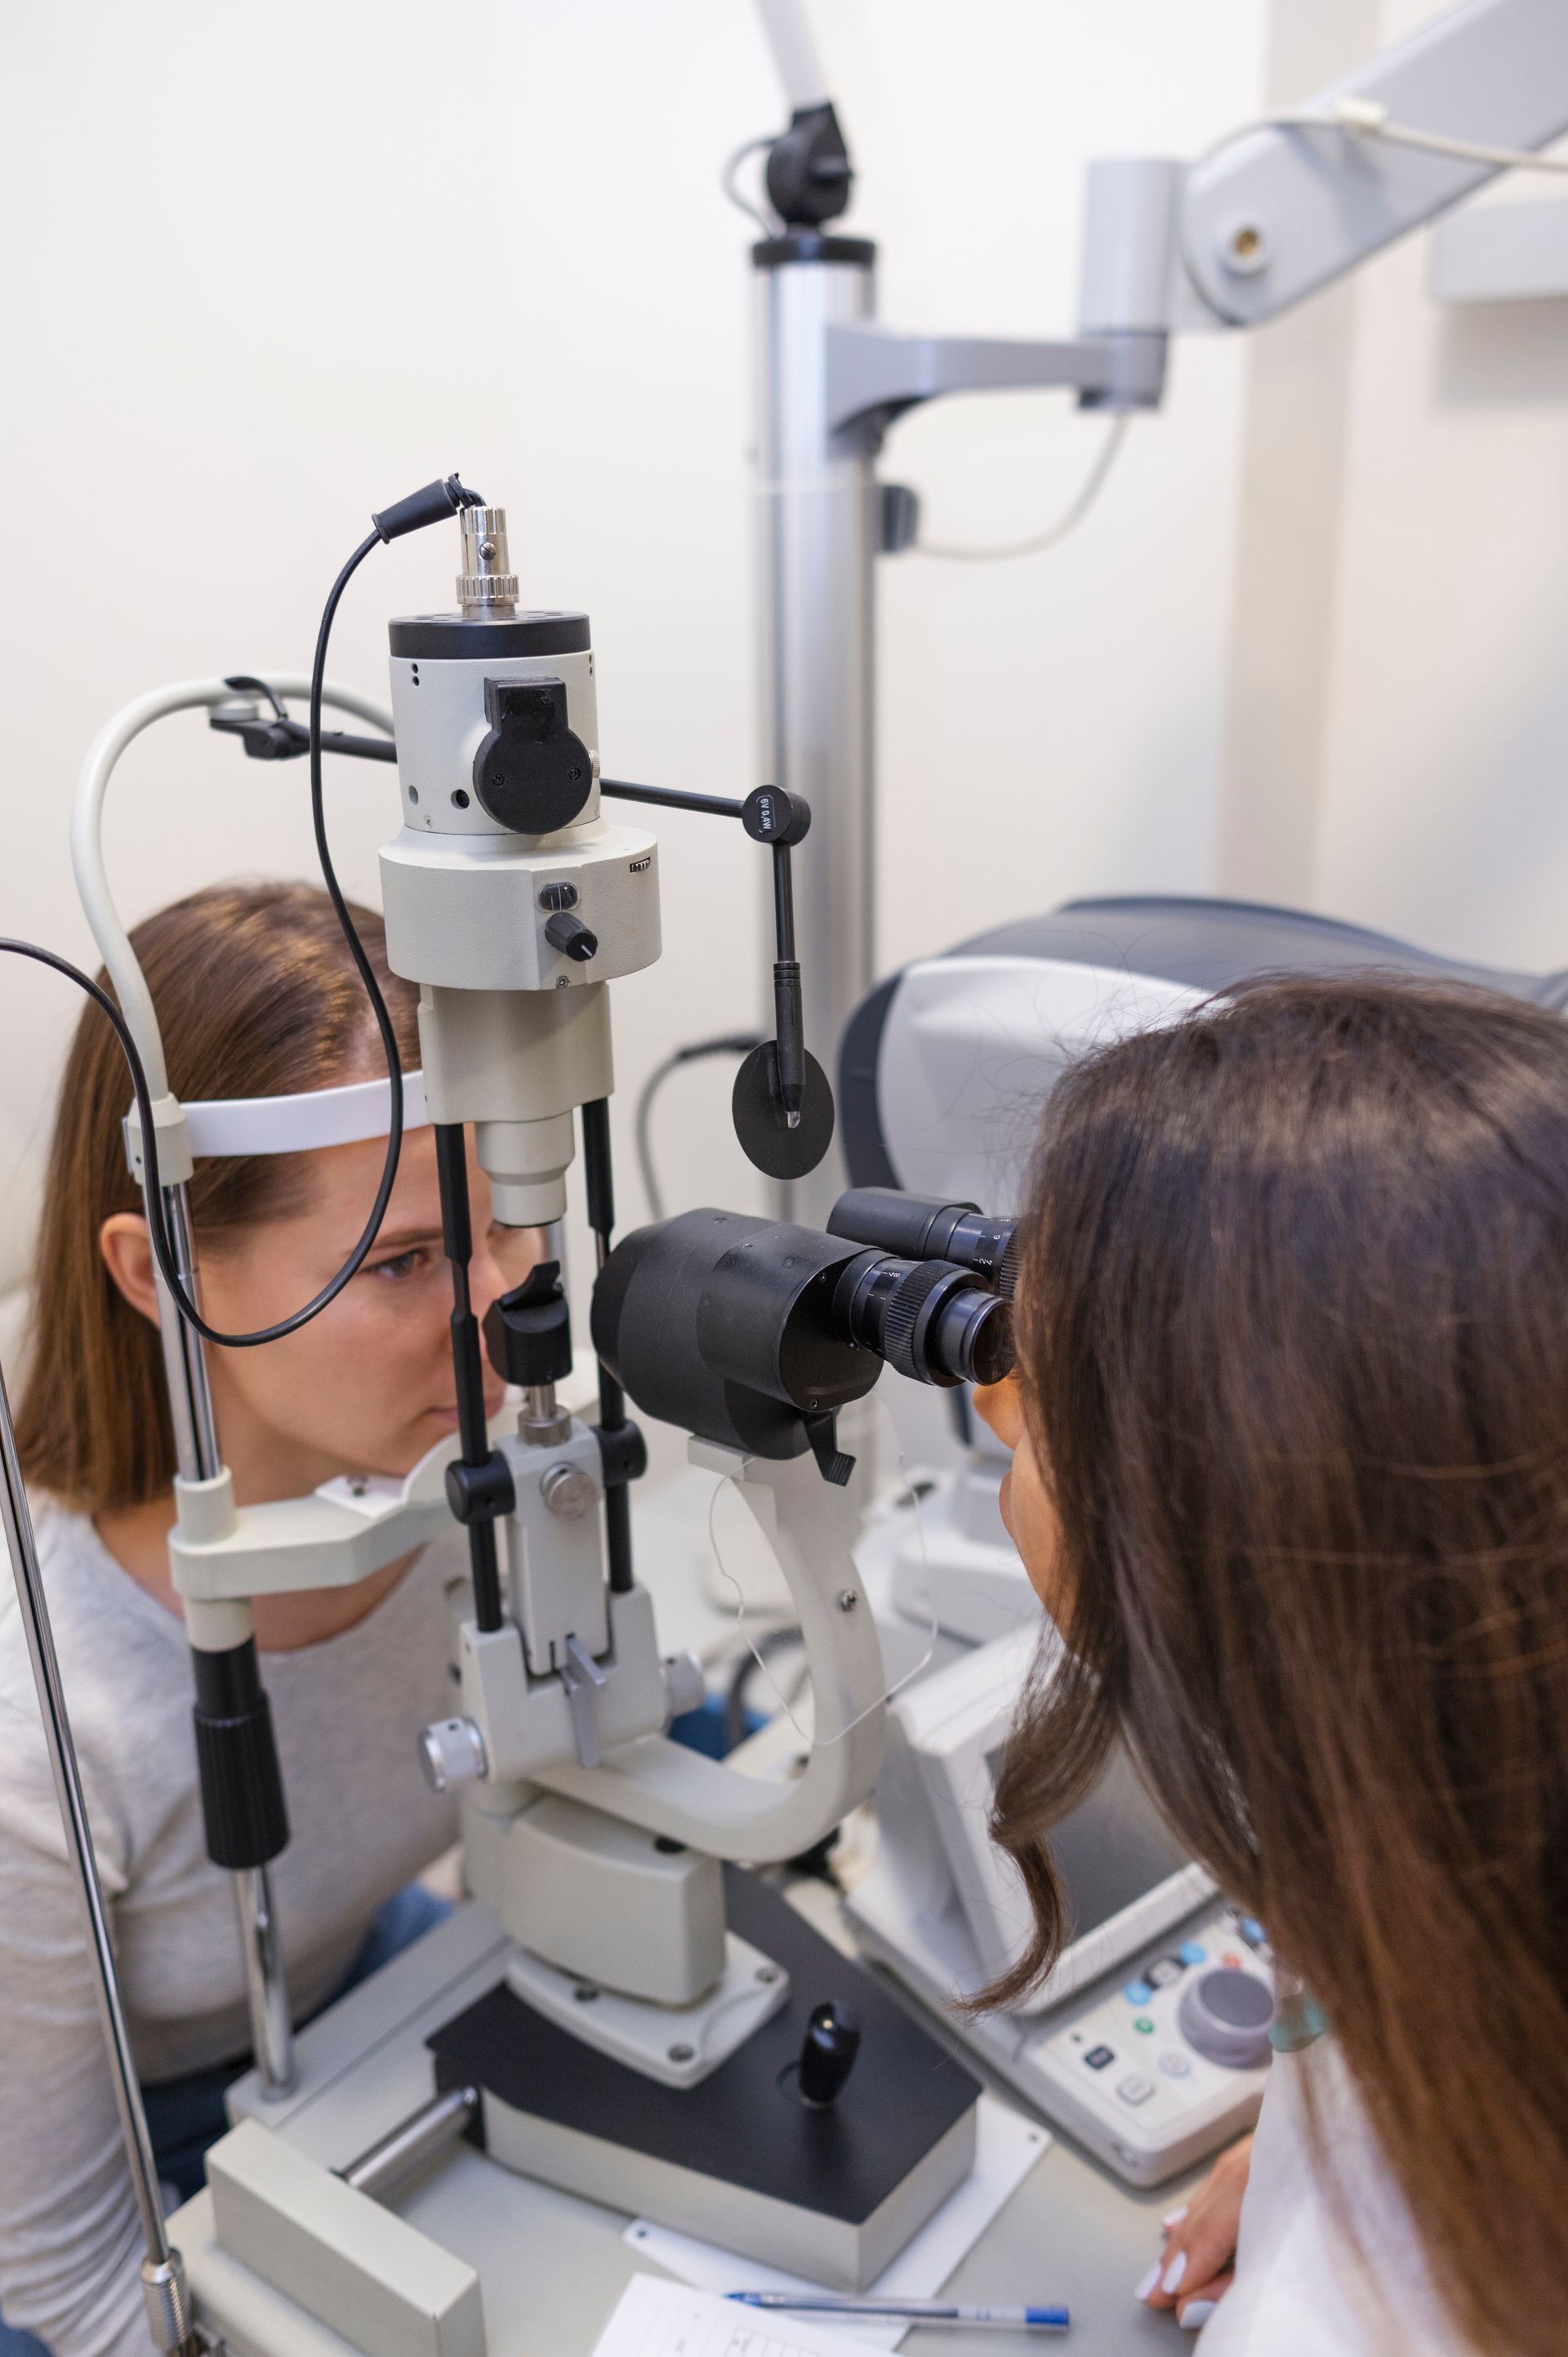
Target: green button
(1145, 2024)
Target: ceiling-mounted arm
(1281, 209)
(808, 174)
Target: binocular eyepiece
(753, 1333)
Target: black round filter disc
(759, 1124)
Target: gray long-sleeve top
(347, 1713)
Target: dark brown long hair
(255, 996)
(1294, 1344)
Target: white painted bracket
(387, 2288)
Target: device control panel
(1164, 2062)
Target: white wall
(271, 270)
(1443, 798)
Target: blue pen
(912, 2312)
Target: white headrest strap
(293, 1125)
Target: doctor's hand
(1198, 2264)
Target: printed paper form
(655, 2318)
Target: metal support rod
(789, 1012)
(671, 798)
(199, 1458)
(599, 1176)
(185, 1365)
(418, 2138)
(267, 1987)
(473, 1431)
(163, 2278)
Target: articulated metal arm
(1277, 211)
(666, 1788)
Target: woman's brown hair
(256, 996)
(1294, 1344)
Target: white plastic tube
(87, 835)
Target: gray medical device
(1149, 2039)
(1260, 223)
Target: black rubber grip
(429, 504)
(242, 1806)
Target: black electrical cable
(737, 1043)
(424, 507)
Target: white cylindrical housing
(1130, 210)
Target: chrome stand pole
(200, 1459)
(819, 530)
(162, 2274)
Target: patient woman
(256, 996)
(1291, 1475)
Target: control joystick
(827, 2054)
(1227, 2016)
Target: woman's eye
(401, 1264)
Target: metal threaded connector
(487, 584)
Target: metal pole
(163, 2276)
(819, 532)
(199, 1458)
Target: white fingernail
(1146, 2283)
(1174, 2272)
(1198, 2312)
(1173, 2217)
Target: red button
(1232, 1959)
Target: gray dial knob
(1226, 2015)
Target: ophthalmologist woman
(1290, 1471)
(256, 996)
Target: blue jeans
(186, 2116)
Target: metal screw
(359, 1485)
(568, 1490)
(584, 1994)
(487, 549)
(682, 2053)
(767, 1974)
(848, 1600)
(562, 981)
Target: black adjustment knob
(827, 2054)
(528, 1331)
(571, 937)
(532, 773)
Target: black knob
(528, 1331)
(827, 2054)
(571, 937)
(532, 773)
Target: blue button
(1137, 1992)
(1251, 1930)
(1193, 1951)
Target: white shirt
(347, 1713)
(1303, 2288)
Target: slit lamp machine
(643, 2001)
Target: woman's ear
(127, 1254)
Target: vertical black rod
(789, 1020)
(599, 1176)
(468, 1366)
